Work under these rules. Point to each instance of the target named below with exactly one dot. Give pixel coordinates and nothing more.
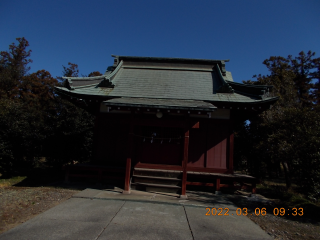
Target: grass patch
(44, 177)
(33, 177)
(289, 199)
(8, 182)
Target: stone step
(157, 173)
(156, 180)
(151, 187)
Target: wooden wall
(208, 145)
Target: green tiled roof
(138, 78)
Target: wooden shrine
(168, 122)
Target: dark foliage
(285, 140)
(95, 74)
(34, 122)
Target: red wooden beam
(200, 184)
(127, 178)
(184, 163)
(196, 125)
(129, 155)
(159, 166)
(218, 185)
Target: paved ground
(108, 214)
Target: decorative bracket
(223, 68)
(68, 84)
(106, 83)
(225, 88)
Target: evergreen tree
(35, 122)
(287, 136)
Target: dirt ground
(279, 227)
(19, 204)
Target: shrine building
(165, 123)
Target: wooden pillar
(129, 156)
(218, 186)
(184, 163)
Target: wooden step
(151, 187)
(156, 180)
(157, 173)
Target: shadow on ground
(51, 177)
(252, 202)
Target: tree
(24, 104)
(37, 89)
(316, 86)
(95, 74)
(34, 121)
(70, 71)
(287, 134)
(302, 67)
(295, 141)
(14, 66)
(71, 138)
(73, 129)
(20, 136)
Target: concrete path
(103, 214)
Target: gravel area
(279, 227)
(19, 204)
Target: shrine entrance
(158, 145)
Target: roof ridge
(87, 78)
(170, 59)
(171, 68)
